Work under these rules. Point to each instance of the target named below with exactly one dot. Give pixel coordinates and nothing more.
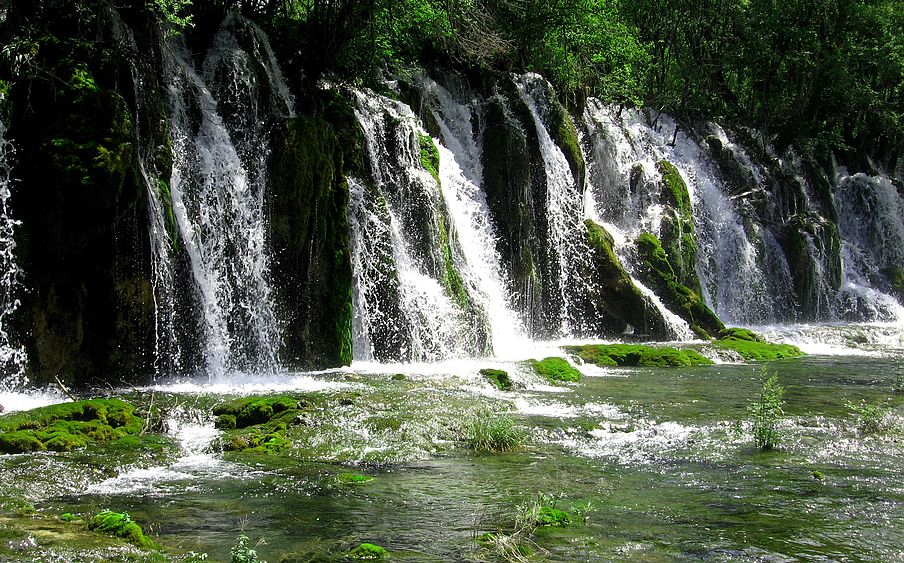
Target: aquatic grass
(489, 432)
(766, 411)
(871, 418)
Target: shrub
(766, 412)
(493, 433)
(871, 419)
(242, 553)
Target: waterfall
(730, 256)
(401, 233)
(871, 226)
(218, 188)
(12, 355)
(460, 174)
(567, 244)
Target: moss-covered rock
(84, 238)
(761, 351)
(655, 270)
(637, 355)
(307, 203)
(258, 424)
(498, 378)
(555, 370)
(429, 156)
(68, 426)
(353, 478)
(120, 525)
(679, 241)
(735, 333)
(368, 551)
(613, 302)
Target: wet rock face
(84, 241)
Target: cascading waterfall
(871, 226)
(403, 212)
(564, 209)
(461, 174)
(729, 262)
(217, 199)
(12, 355)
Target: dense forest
(827, 74)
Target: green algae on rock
(368, 551)
(759, 351)
(498, 378)
(68, 426)
(120, 525)
(613, 355)
(656, 270)
(555, 369)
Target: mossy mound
(120, 525)
(734, 333)
(68, 426)
(499, 378)
(555, 369)
(258, 423)
(655, 269)
(429, 156)
(759, 351)
(638, 355)
(368, 551)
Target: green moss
(555, 369)
(734, 333)
(452, 280)
(354, 478)
(637, 355)
(759, 351)
(368, 551)
(120, 525)
(399, 377)
(553, 517)
(655, 269)
(429, 156)
(678, 237)
(21, 441)
(225, 421)
(252, 411)
(614, 301)
(565, 135)
(67, 517)
(68, 426)
(499, 378)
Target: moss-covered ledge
(679, 239)
(655, 269)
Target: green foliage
(766, 411)
(499, 378)
(555, 370)
(871, 418)
(429, 156)
(120, 525)
(67, 517)
(368, 551)
(175, 13)
(637, 355)
(489, 432)
(242, 552)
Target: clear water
(654, 452)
